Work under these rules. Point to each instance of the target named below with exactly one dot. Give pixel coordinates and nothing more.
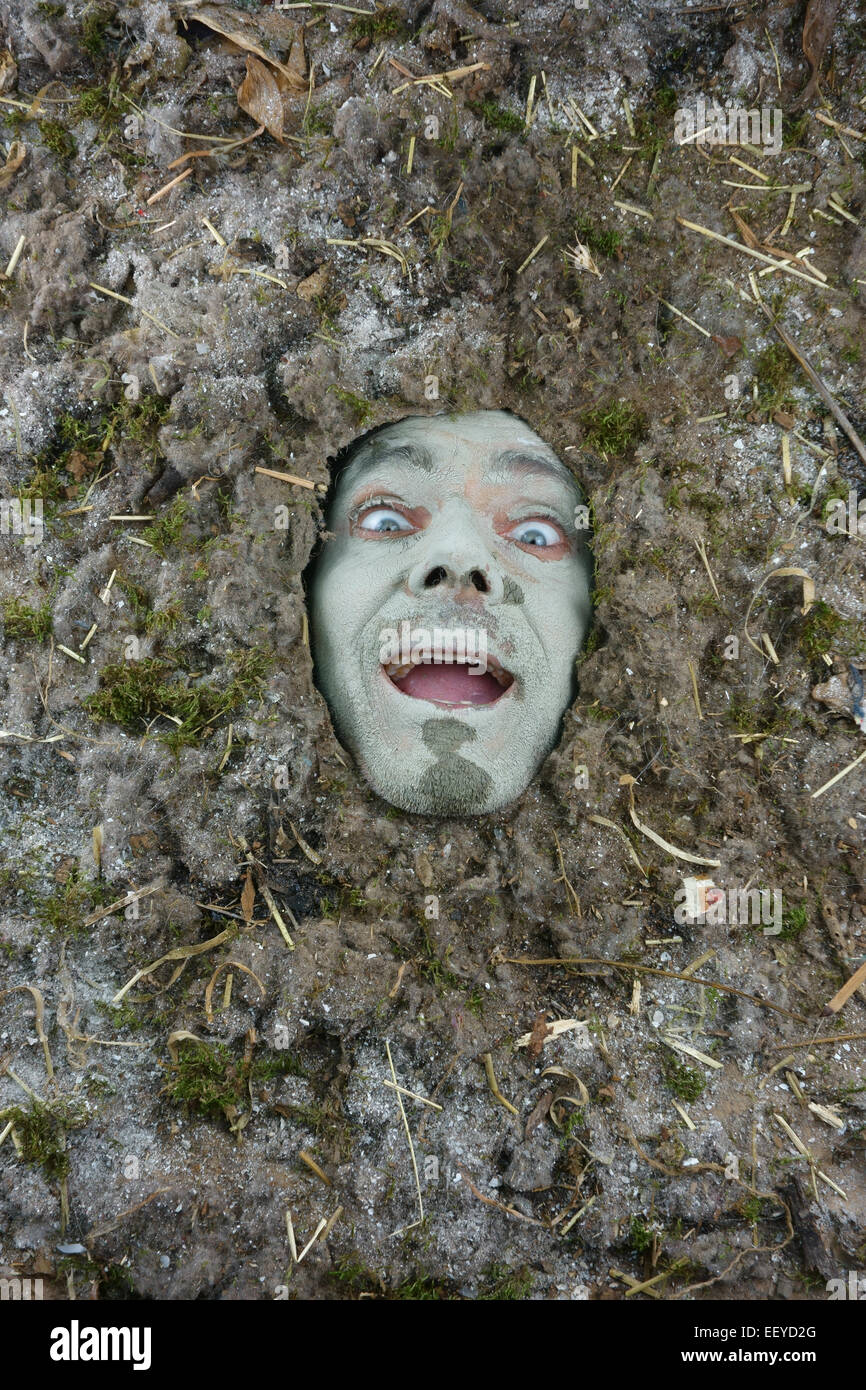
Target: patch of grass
(613, 428)
(684, 1081)
(496, 116)
(42, 1129)
(20, 620)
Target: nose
(464, 578)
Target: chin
(437, 738)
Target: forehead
(498, 447)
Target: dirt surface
(161, 723)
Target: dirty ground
(196, 317)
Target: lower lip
(466, 706)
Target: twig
(494, 1084)
(819, 386)
(651, 970)
(844, 994)
(411, 1146)
(757, 255)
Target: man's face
(448, 609)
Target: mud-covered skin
(483, 481)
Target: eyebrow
(515, 460)
(377, 454)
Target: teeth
(397, 671)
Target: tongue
(450, 685)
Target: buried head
(448, 605)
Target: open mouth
(450, 683)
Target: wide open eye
(384, 520)
(536, 532)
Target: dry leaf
(537, 1037)
(265, 33)
(314, 284)
(79, 463)
(538, 1113)
(8, 71)
(248, 897)
(261, 96)
(424, 870)
(817, 32)
(64, 868)
(14, 160)
(729, 346)
(297, 64)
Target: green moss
(502, 1283)
(20, 620)
(214, 1080)
(824, 630)
(362, 408)
(64, 909)
(664, 100)
(132, 693)
(167, 530)
(94, 22)
(319, 120)
(794, 130)
(59, 140)
(387, 23)
(640, 1235)
(601, 239)
(773, 371)
(612, 428)
(794, 922)
(137, 597)
(41, 1131)
(166, 619)
(684, 1081)
(496, 116)
(351, 1274)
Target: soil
(283, 297)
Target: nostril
(435, 577)
(480, 581)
